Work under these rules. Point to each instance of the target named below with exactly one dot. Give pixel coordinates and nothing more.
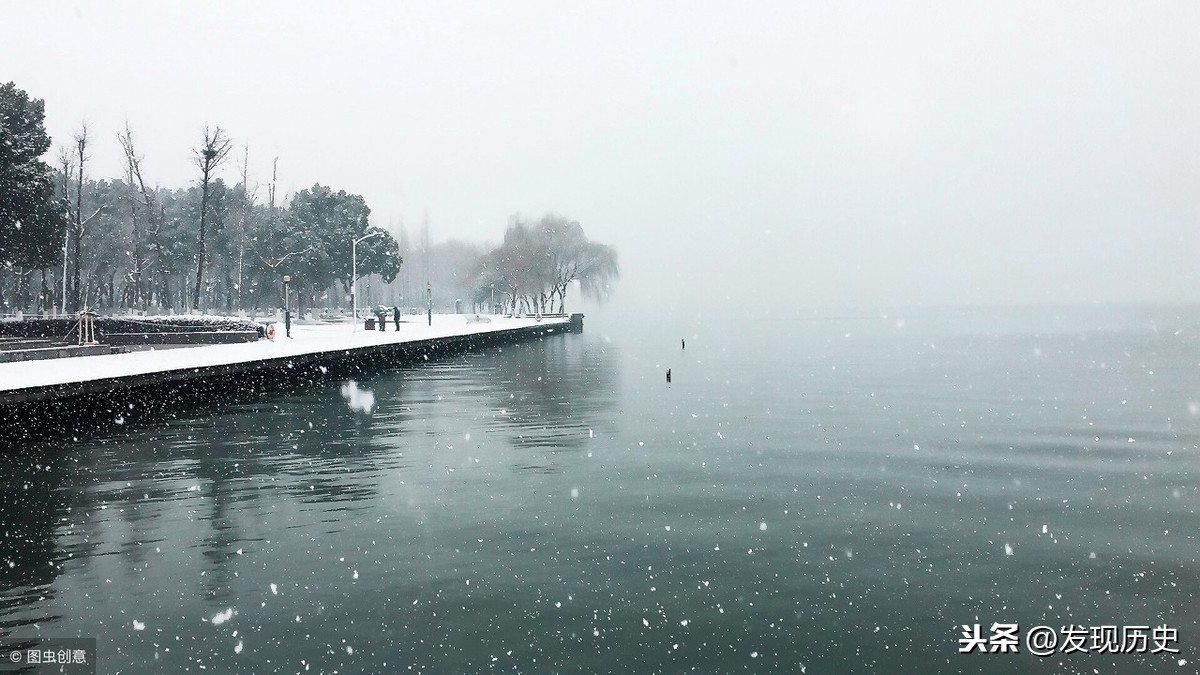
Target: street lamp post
(429, 302)
(354, 275)
(287, 306)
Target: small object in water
(682, 343)
(668, 374)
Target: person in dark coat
(396, 316)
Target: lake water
(820, 494)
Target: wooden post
(87, 327)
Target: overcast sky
(771, 153)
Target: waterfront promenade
(312, 347)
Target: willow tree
(572, 258)
(538, 262)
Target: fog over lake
(736, 155)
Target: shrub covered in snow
(64, 328)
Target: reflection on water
(840, 495)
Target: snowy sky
(762, 154)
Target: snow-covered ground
(306, 339)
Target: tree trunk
(241, 258)
(75, 288)
(24, 299)
(164, 274)
(203, 215)
(208, 158)
(44, 295)
(137, 255)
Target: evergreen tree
(31, 220)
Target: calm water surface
(821, 495)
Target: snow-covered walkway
(306, 339)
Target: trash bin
(370, 324)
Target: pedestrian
(396, 316)
(682, 344)
(668, 376)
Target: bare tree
(208, 158)
(73, 162)
(271, 189)
(247, 212)
(65, 164)
(81, 154)
(139, 260)
(154, 216)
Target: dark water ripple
(826, 496)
